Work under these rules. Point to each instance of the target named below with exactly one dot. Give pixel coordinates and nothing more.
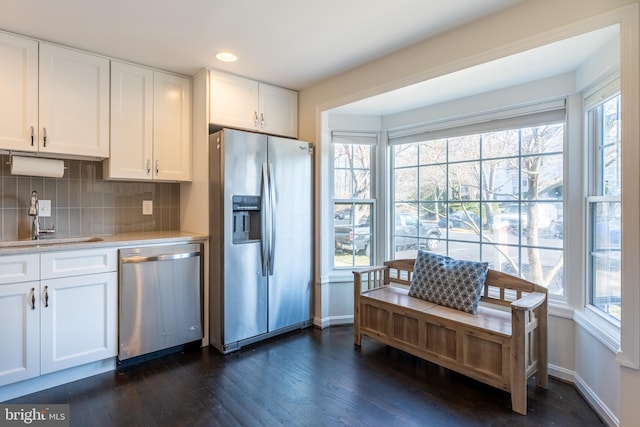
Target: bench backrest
(499, 288)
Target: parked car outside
(407, 232)
(516, 216)
(460, 219)
(407, 235)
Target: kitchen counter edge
(116, 240)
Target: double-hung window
(604, 205)
(489, 190)
(354, 210)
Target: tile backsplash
(83, 204)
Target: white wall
(597, 375)
(613, 389)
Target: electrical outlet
(44, 208)
(147, 207)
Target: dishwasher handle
(164, 257)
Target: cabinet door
(19, 89)
(278, 111)
(74, 102)
(131, 122)
(234, 101)
(78, 320)
(19, 326)
(171, 127)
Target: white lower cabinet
(19, 317)
(78, 321)
(66, 318)
(19, 332)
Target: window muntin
(496, 196)
(353, 204)
(352, 171)
(605, 208)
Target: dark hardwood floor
(305, 378)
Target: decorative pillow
(447, 281)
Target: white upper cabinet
(278, 110)
(234, 101)
(19, 89)
(131, 154)
(74, 102)
(150, 125)
(246, 104)
(54, 100)
(171, 127)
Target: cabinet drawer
(77, 263)
(19, 268)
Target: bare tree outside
(353, 228)
(481, 186)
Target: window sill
(601, 329)
(340, 276)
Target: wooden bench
(502, 345)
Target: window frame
(593, 116)
(539, 114)
(355, 138)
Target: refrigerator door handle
(264, 220)
(272, 202)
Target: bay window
(493, 188)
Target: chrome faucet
(36, 232)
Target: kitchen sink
(47, 242)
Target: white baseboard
(562, 373)
(608, 417)
(333, 321)
(33, 385)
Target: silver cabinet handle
(148, 167)
(33, 298)
(255, 121)
(261, 120)
(44, 137)
(157, 167)
(33, 136)
(46, 296)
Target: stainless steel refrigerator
(261, 228)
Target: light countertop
(89, 242)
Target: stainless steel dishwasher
(160, 298)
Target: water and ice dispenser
(246, 219)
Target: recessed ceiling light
(225, 56)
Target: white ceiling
(290, 43)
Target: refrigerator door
(290, 282)
(245, 286)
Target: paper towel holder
(36, 166)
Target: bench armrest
(365, 270)
(529, 302)
(370, 277)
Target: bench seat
(491, 319)
(502, 345)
